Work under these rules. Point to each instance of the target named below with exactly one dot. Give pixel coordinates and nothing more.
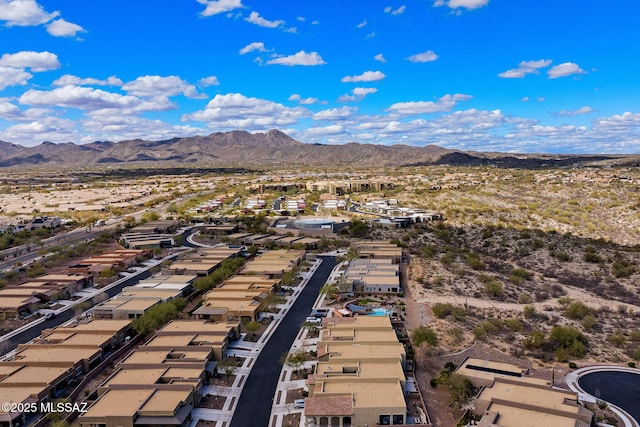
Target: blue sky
(487, 75)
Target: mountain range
(263, 149)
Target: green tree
(293, 360)
(424, 334)
(252, 327)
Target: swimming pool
(368, 311)
(380, 312)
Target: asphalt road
(65, 316)
(256, 399)
(620, 388)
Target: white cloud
(53, 129)
(24, 13)
(367, 76)
(304, 101)
(153, 86)
(301, 18)
(524, 68)
(571, 113)
(540, 99)
(326, 130)
(427, 56)
(370, 35)
(299, 58)
(235, 110)
(357, 94)
(256, 19)
(68, 79)
(208, 81)
(336, 114)
(214, 7)
(37, 61)
(9, 111)
(380, 58)
(62, 28)
(362, 24)
(525, 99)
(259, 46)
(467, 4)
(398, 11)
(78, 97)
(445, 103)
(13, 77)
(565, 69)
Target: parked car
(298, 403)
(315, 320)
(50, 315)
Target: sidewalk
(250, 351)
(280, 407)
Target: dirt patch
(291, 419)
(294, 394)
(212, 401)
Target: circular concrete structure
(313, 223)
(617, 385)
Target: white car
(298, 403)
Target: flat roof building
(360, 377)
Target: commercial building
(360, 377)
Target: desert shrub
(494, 289)
(591, 256)
(442, 310)
(618, 339)
(534, 340)
(588, 321)
(514, 324)
(577, 310)
(424, 334)
(529, 311)
(519, 275)
(622, 268)
(569, 339)
(524, 298)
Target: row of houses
(51, 365)
(240, 296)
(161, 381)
(360, 376)
(268, 240)
(340, 188)
(202, 262)
(34, 224)
(25, 298)
(117, 260)
(133, 301)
